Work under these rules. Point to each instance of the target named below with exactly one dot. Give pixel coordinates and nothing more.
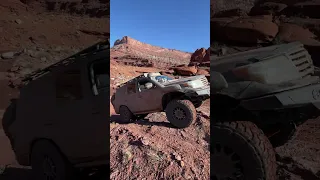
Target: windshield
(163, 78)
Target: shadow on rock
(144, 122)
(11, 173)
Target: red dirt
(39, 38)
(152, 149)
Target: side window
(68, 86)
(144, 85)
(100, 76)
(131, 87)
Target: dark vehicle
(59, 122)
(258, 99)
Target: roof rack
(100, 46)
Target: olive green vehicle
(258, 97)
(153, 92)
(60, 123)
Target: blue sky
(175, 24)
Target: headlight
(193, 84)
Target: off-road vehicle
(60, 123)
(153, 92)
(258, 99)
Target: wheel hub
(227, 165)
(179, 113)
(49, 168)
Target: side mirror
(148, 85)
(217, 82)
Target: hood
(183, 80)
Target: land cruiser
(153, 92)
(60, 121)
(258, 99)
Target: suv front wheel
(181, 113)
(48, 163)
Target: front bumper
(203, 91)
(200, 94)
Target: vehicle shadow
(144, 122)
(12, 173)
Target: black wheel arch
(48, 140)
(170, 96)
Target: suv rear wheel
(240, 150)
(126, 115)
(48, 163)
(181, 113)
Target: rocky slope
(131, 50)
(151, 148)
(249, 25)
(34, 36)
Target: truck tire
(181, 113)
(48, 163)
(126, 115)
(240, 150)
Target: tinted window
(68, 86)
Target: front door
(73, 130)
(150, 98)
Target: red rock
(303, 9)
(251, 30)
(186, 70)
(202, 72)
(231, 13)
(267, 8)
(198, 55)
(292, 32)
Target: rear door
(149, 99)
(98, 86)
(130, 97)
(71, 129)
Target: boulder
(218, 27)
(267, 8)
(251, 30)
(291, 32)
(202, 72)
(303, 9)
(312, 24)
(8, 55)
(200, 55)
(231, 13)
(185, 70)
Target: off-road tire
(189, 112)
(126, 115)
(253, 153)
(45, 149)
